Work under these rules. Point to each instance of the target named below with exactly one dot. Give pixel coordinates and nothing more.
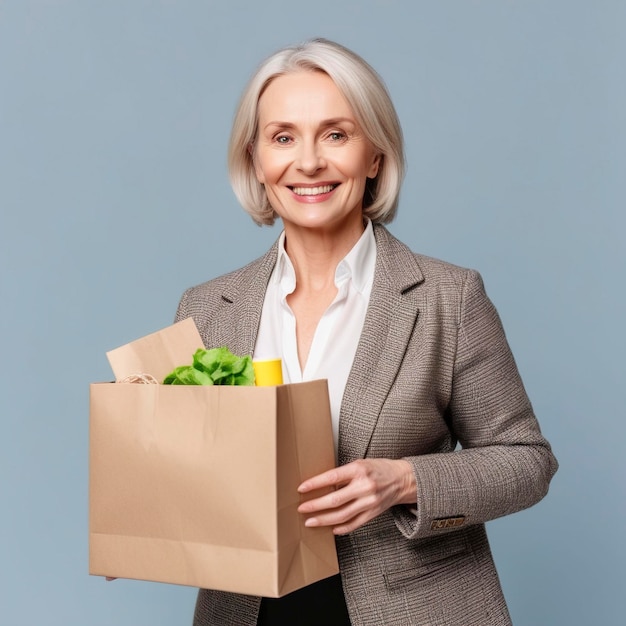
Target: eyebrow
(333, 121)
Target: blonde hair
(370, 102)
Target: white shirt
(338, 332)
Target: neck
(316, 254)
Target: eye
(336, 135)
(282, 139)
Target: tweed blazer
(433, 381)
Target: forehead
(303, 93)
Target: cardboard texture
(198, 485)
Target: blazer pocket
(428, 559)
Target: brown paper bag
(157, 354)
(198, 485)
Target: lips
(313, 191)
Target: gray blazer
(433, 381)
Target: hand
(363, 490)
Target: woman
(415, 356)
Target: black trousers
(319, 604)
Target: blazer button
(447, 522)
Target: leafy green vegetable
(218, 366)
(187, 375)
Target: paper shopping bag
(157, 354)
(197, 485)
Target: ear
(375, 166)
(257, 170)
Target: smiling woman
(415, 356)
(312, 157)
(371, 109)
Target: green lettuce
(218, 366)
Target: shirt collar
(357, 265)
(284, 273)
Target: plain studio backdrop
(114, 197)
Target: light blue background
(114, 117)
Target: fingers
(362, 490)
(352, 524)
(339, 476)
(351, 484)
(345, 518)
(331, 478)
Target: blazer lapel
(391, 316)
(243, 302)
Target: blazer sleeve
(504, 464)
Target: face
(311, 154)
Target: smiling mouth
(313, 191)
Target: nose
(310, 158)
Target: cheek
(359, 166)
(269, 168)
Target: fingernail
(312, 521)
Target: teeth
(312, 191)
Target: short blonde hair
(370, 102)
